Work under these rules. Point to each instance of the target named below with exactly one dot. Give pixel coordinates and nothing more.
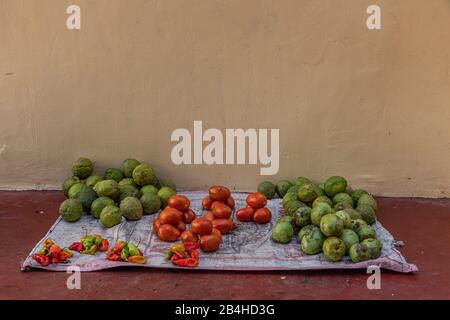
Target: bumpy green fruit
(343, 197)
(110, 216)
(333, 249)
(359, 252)
(98, 205)
(292, 206)
(114, 174)
(92, 180)
(353, 213)
(127, 182)
(322, 199)
(357, 224)
(320, 192)
(69, 182)
(282, 187)
(143, 175)
(131, 208)
(357, 194)
(335, 185)
(75, 190)
(366, 232)
(282, 232)
(128, 166)
(167, 183)
(342, 206)
(164, 194)
(267, 188)
(71, 210)
(368, 200)
(302, 217)
(301, 181)
(107, 188)
(288, 197)
(367, 213)
(331, 225)
(350, 238)
(82, 168)
(130, 191)
(319, 211)
(86, 196)
(307, 192)
(307, 230)
(345, 218)
(286, 219)
(312, 242)
(374, 246)
(150, 202)
(149, 188)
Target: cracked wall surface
(373, 106)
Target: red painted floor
(423, 224)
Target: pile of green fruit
(328, 217)
(128, 192)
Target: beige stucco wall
(373, 106)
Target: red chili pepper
(194, 254)
(189, 246)
(41, 259)
(55, 260)
(76, 246)
(187, 262)
(119, 246)
(137, 259)
(104, 245)
(112, 256)
(55, 250)
(63, 256)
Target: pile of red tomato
(256, 209)
(172, 221)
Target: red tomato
(211, 242)
(207, 202)
(221, 211)
(216, 203)
(219, 193)
(201, 226)
(245, 214)
(170, 216)
(181, 226)
(179, 202)
(262, 216)
(209, 216)
(256, 200)
(156, 224)
(223, 225)
(189, 236)
(188, 216)
(230, 202)
(168, 233)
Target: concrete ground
(423, 224)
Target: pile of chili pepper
(90, 244)
(51, 253)
(184, 254)
(127, 252)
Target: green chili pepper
(124, 254)
(68, 251)
(44, 252)
(88, 243)
(97, 240)
(132, 249)
(91, 250)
